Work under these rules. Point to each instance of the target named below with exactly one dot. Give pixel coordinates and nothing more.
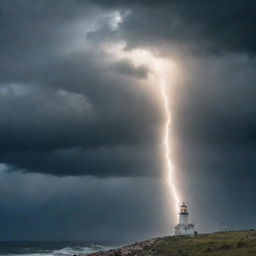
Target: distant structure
(184, 228)
(223, 227)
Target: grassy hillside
(236, 243)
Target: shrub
(253, 233)
(225, 247)
(208, 250)
(240, 244)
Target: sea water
(51, 248)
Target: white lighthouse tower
(184, 228)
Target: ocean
(50, 248)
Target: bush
(240, 244)
(208, 250)
(225, 247)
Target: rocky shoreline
(230, 243)
(123, 251)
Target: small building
(184, 228)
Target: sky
(81, 125)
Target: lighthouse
(184, 228)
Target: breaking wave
(50, 249)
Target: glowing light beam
(166, 144)
(160, 69)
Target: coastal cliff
(233, 243)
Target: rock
(127, 250)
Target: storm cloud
(63, 108)
(73, 115)
(214, 27)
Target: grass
(235, 243)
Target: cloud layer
(70, 107)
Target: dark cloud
(127, 68)
(50, 208)
(201, 27)
(100, 161)
(68, 107)
(67, 97)
(62, 100)
(219, 97)
(97, 120)
(215, 135)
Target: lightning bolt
(160, 69)
(166, 145)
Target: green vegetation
(236, 243)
